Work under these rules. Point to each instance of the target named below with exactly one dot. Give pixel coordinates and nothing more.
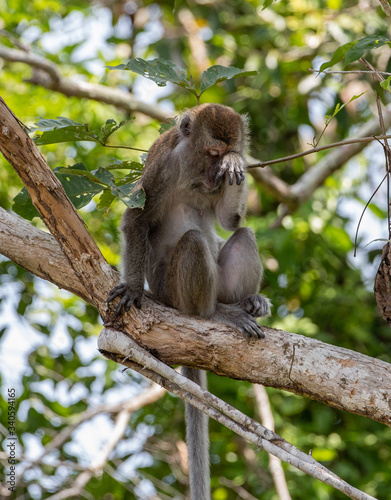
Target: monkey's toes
(253, 331)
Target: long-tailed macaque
(195, 174)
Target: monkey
(194, 175)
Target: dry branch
(140, 360)
(265, 411)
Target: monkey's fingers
(116, 292)
(239, 177)
(235, 168)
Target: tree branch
(55, 208)
(265, 411)
(38, 252)
(50, 78)
(302, 190)
(386, 7)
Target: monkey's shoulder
(162, 147)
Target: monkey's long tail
(197, 437)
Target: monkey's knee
(191, 276)
(240, 269)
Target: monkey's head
(211, 133)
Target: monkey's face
(214, 140)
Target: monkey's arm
(134, 252)
(231, 208)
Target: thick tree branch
(38, 252)
(55, 208)
(333, 375)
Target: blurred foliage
(48, 337)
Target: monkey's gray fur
(188, 180)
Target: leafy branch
(162, 71)
(61, 129)
(353, 51)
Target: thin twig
(316, 150)
(363, 212)
(354, 72)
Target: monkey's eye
(214, 152)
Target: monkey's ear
(185, 126)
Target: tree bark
(338, 377)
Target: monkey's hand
(232, 163)
(129, 297)
(256, 306)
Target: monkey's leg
(191, 276)
(191, 287)
(240, 274)
(240, 270)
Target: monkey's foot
(234, 316)
(256, 306)
(128, 297)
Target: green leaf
(80, 170)
(386, 84)
(216, 74)
(352, 51)
(338, 56)
(131, 194)
(104, 176)
(109, 128)
(105, 200)
(78, 188)
(340, 107)
(62, 130)
(267, 3)
(126, 165)
(159, 71)
(167, 126)
(47, 124)
(367, 43)
(23, 206)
